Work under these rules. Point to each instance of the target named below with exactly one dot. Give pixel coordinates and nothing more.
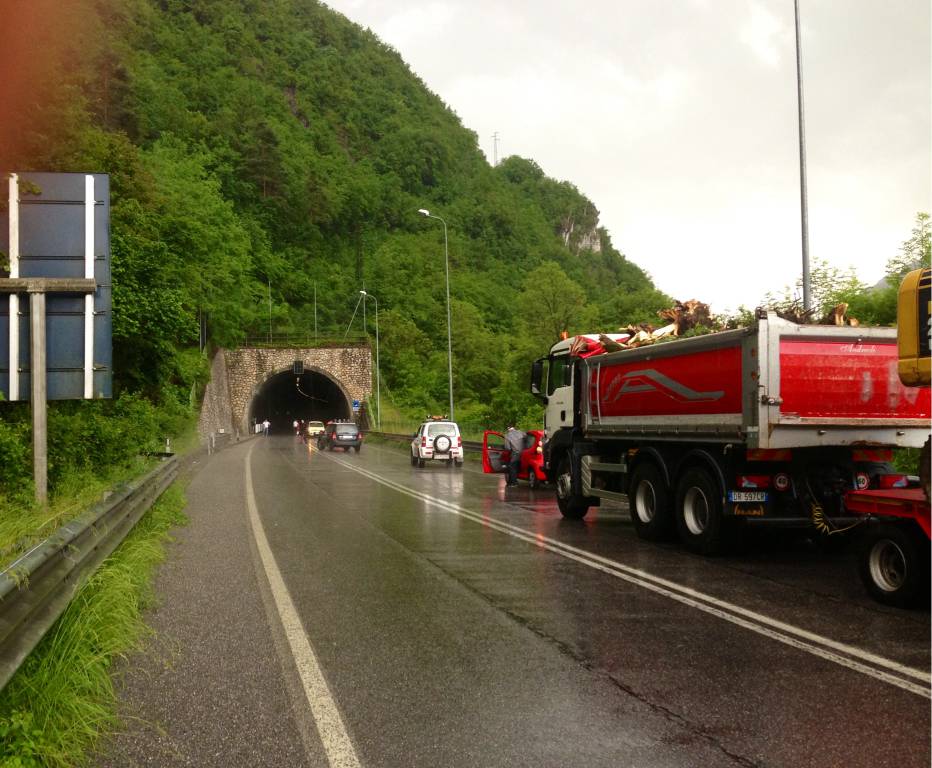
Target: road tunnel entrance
(285, 398)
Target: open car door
(493, 446)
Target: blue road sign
(355, 405)
(57, 225)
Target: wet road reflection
(739, 660)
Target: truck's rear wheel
(894, 565)
(649, 503)
(572, 504)
(700, 517)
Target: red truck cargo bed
(776, 385)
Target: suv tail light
(459, 441)
(424, 441)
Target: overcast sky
(677, 118)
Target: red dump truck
(766, 425)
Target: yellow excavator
(913, 318)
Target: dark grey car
(340, 434)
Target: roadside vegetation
(62, 699)
(93, 446)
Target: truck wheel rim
(564, 486)
(888, 565)
(645, 502)
(696, 511)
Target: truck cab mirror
(537, 378)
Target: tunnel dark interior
(310, 396)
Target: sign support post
(40, 445)
(37, 287)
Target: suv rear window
(433, 430)
(346, 429)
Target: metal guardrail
(37, 587)
(303, 340)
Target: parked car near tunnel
(340, 434)
(314, 428)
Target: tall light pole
(378, 396)
(803, 196)
(446, 260)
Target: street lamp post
(378, 395)
(446, 260)
(803, 194)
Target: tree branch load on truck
(769, 424)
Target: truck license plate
(740, 496)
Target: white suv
(438, 440)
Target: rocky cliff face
(581, 236)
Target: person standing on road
(265, 427)
(514, 439)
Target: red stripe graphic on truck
(699, 383)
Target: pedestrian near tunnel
(514, 439)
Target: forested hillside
(275, 143)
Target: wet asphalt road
(460, 623)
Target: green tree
(550, 303)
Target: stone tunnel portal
(312, 396)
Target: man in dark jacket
(514, 439)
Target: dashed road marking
(839, 653)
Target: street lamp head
(423, 212)
(364, 293)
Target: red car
(496, 455)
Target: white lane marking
(826, 648)
(336, 741)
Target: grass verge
(25, 523)
(28, 523)
(62, 700)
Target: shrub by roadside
(62, 700)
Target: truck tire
(442, 444)
(572, 505)
(700, 517)
(893, 563)
(649, 503)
